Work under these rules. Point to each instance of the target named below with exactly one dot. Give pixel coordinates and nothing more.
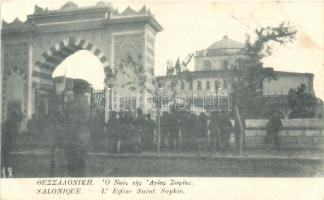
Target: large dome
(226, 43)
(69, 6)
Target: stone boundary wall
(297, 133)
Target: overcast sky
(191, 26)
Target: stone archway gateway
(50, 59)
(32, 49)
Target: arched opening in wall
(207, 65)
(225, 64)
(82, 65)
(57, 69)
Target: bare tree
(173, 70)
(249, 73)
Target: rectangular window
(182, 85)
(190, 85)
(225, 84)
(199, 85)
(207, 85)
(217, 85)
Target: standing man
(56, 127)
(121, 132)
(150, 133)
(139, 126)
(214, 132)
(78, 136)
(112, 129)
(129, 133)
(192, 123)
(10, 130)
(164, 130)
(201, 131)
(273, 128)
(186, 129)
(225, 128)
(173, 125)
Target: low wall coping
(313, 123)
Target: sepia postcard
(162, 99)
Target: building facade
(31, 50)
(211, 76)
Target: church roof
(69, 6)
(226, 73)
(226, 43)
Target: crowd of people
(178, 131)
(126, 133)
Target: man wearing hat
(77, 137)
(273, 127)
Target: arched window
(182, 85)
(225, 64)
(207, 85)
(207, 65)
(217, 85)
(190, 84)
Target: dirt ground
(253, 163)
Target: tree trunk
(241, 128)
(158, 130)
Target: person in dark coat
(192, 123)
(201, 130)
(139, 128)
(112, 129)
(131, 139)
(126, 132)
(225, 129)
(56, 127)
(10, 131)
(173, 126)
(188, 124)
(77, 139)
(214, 130)
(121, 134)
(164, 130)
(273, 127)
(150, 133)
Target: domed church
(211, 76)
(219, 55)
